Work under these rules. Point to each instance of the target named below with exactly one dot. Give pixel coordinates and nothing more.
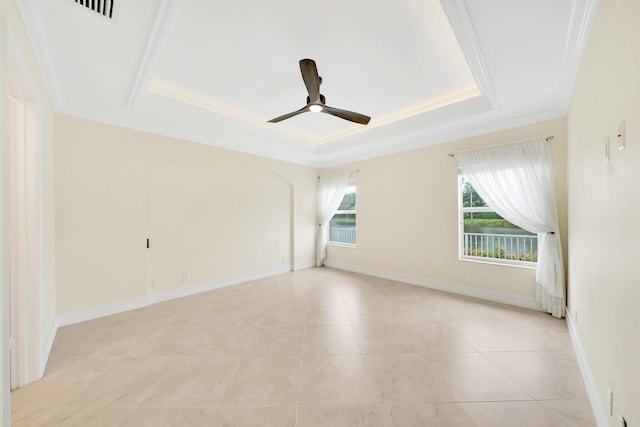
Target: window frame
(462, 210)
(352, 183)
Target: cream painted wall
(408, 214)
(215, 213)
(604, 206)
(9, 12)
(216, 217)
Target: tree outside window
(487, 236)
(342, 227)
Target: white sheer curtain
(517, 181)
(330, 193)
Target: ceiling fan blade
(347, 115)
(289, 115)
(311, 79)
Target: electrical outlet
(154, 284)
(186, 277)
(610, 401)
(492, 280)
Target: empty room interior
(366, 213)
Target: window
(342, 227)
(486, 236)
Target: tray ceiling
(426, 71)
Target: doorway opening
(25, 221)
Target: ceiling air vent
(103, 7)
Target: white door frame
(25, 218)
(4, 226)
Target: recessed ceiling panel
(388, 60)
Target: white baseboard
(455, 288)
(304, 265)
(216, 284)
(599, 411)
(97, 312)
(46, 350)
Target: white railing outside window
(505, 247)
(342, 228)
(486, 236)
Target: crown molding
(163, 25)
(292, 151)
(434, 127)
(320, 156)
(582, 15)
(441, 135)
(460, 21)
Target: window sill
(341, 245)
(506, 263)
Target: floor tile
(569, 413)
(336, 380)
(254, 417)
(320, 346)
(125, 385)
(491, 336)
(168, 417)
(405, 378)
(63, 376)
(263, 381)
(339, 416)
(471, 377)
(409, 338)
(508, 414)
(286, 314)
(282, 341)
(189, 341)
(544, 375)
(318, 299)
(328, 315)
(75, 417)
(330, 339)
(196, 382)
(437, 414)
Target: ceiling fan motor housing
(322, 99)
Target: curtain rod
(354, 170)
(548, 138)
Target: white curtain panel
(516, 180)
(330, 193)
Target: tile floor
(318, 347)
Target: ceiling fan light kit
(316, 101)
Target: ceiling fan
(316, 101)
